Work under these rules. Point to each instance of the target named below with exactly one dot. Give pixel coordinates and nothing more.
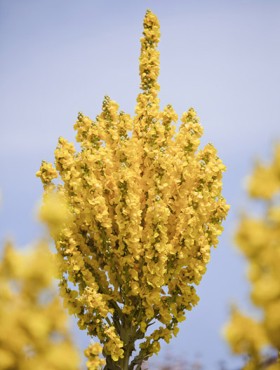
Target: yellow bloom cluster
(264, 183)
(246, 336)
(92, 353)
(33, 332)
(259, 240)
(146, 208)
(54, 211)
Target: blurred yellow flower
(259, 240)
(34, 333)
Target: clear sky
(221, 57)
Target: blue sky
(221, 57)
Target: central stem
(125, 333)
(125, 360)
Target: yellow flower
(259, 239)
(146, 208)
(92, 353)
(40, 335)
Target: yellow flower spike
(259, 240)
(146, 208)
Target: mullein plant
(258, 238)
(145, 208)
(34, 333)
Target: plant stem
(125, 360)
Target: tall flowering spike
(149, 58)
(147, 101)
(146, 208)
(259, 241)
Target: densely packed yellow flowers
(259, 240)
(146, 208)
(92, 353)
(33, 331)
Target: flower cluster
(92, 353)
(146, 208)
(259, 240)
(33, 331)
